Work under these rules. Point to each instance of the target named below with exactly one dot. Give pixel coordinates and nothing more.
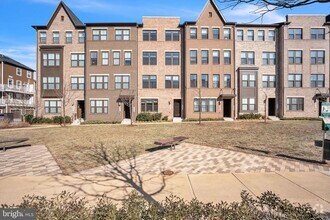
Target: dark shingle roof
(9, 60)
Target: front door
(271, 107)
(80, 109)
(177, 108)
(320, 107)
(227, 108)
(127, 111)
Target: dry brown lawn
(71, 146)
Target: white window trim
(99, 28)
(17, 71)
(99, 99)
(149, 50)
(95, 74)
(124, 74)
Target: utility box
(326, 150)
(325, 112)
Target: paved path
(28, 161)
(194, 159)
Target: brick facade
(221, 54)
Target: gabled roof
(11, 61)
(74, 19)
(215, 6)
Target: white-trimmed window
(271, 35)
(205, 33)
(247, 57)
(268, 58)
(317, 33)
(205, 57)
(227, 80)
(28, 74)
(248, 80)
(18, 71)
(18, 84)
(317, 80)
(81, 37)
(295, 80)
(149, 81)
(227, 56)
(317, 56)
(172, 58)
(99, 82)
(240, 35)
(250, 35)
(226, 33)
(171, 82)
(105, 58)
(193, 56)
(261, 35)
(268, 81)
(216, 56)
(149, 35)
(172, 35)
(94, 56)
(248, 104)
(10, 83)
(99, 106)
(51, 59)
(122, 81)
(193, 33)
(216, 33)
(53, 106)
(216, 81)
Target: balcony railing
(19, 102)
(14, 88)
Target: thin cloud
(23, 54)
(246, 14)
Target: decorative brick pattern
(28, 161)
(195, 159)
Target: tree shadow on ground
(118, 175)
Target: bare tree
(67, 96)
(265, 6)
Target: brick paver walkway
(195, 159)
(28, 161)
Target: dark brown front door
(177, 108)
(227, 108)
(80, 109)
(271, 107)
(127, 111)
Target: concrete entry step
(273, 118)
(228, 119)
(126, 121)
(177, 120)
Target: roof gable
(215, 8)
(74, 19)
(11, 61)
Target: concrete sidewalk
(299, 187)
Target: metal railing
(14, 88)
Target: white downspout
(3, 86)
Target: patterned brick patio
(28, 161)
(195, 159)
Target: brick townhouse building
(112, 71)
(17, 87)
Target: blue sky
(18, 38)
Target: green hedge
(89, 122)
(203, 119)
(147, 116)
(41, 120)
(68, 206)
(251, 116)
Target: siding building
(17, 87)
(114, 71)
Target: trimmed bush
(251, 116)
(202, 119)
(58, 119)
(41, 120)
(156, 116)
(29, 118)
(165, 118)
(90, 122)
(147, 116)
(68, 206)
(68, 120)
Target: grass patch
(71, 146)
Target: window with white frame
(172, 58)
(105, 58)
(10, 83)
(53, 106)
(271, 35)
(317, 33)
(216, 56)
(261, 35)
(216, 81)
(295, 56)
(18, 84)
(149, 58)
(193, 56)
(317, 56)
(149, 105)
(317, 80)
(42, 37)
(81, 37)
(205, 56)
(216, 33)
(295, 80)
(227, 56)
(149, 81)
(171, 82)
(250, 35)
(205, 80)
(295, 33)
(268, 81)
(99, 106)
(240, 35)
(226, 33)
(18, 71)
(172, 35)
(205, 33)
(248, 104)
(122, 81)
(268, 58)
(51, 59)
(94, 58)
(56, 37)
(247, 57)
(28, 74)
(149, 35)
(227, 80)
(193, 33)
